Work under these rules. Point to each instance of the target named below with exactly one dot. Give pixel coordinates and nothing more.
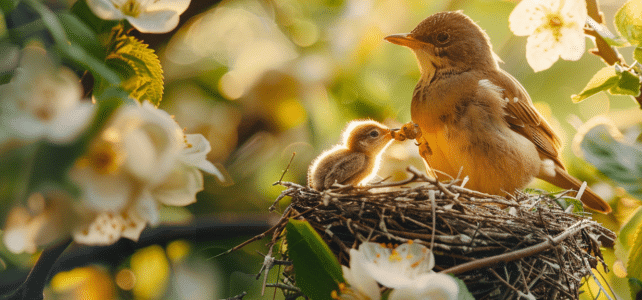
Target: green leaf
(84, 13)
(317, 270)
(138, 65)
(8, 5)
(612, 79)
(463, 292)
(627, 84)
(634, 263)
(621, 162)
(79, 33)
(603, 80)
(628, 21)
(637, 54)
(627, 232)
(75, 53)
(606, 34)
(635, 285)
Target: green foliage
(637, 54)
(84, 13)
(138, 65)
(636, 287)
(76, 53)
(612, 79)
(628, 21)
(463, 293)
(8, 5)
(317, 270)
(619, 161)
(80, 34)
(634, 262)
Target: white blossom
(140, 161)
(554, 29)
(43, 100)
(151, 16)
(407, 269)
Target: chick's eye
(442, 37)
(374, 133)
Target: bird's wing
(346, 169)
(524, 119)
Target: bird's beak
(405, 39)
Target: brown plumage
(354, 161)
(473, 115)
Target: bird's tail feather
(589, 198)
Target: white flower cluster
(407, 269)
(140, 159)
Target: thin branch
(34, 285)
(506, 257)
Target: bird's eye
(442, 37)
(374, 133)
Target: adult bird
(476, 117)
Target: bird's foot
(409, 130)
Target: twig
(34, 285)
(237, 297)
(506, 257)
(286, 169)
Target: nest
(501, 247)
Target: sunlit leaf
(628, 21)
(627, 84)
(612, 79)
(627, 232)
(603, 80)
(637, 54)
(621, 162)
(634, 263)
(8, 5)
(138, 65)
(317, 270)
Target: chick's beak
(405, 39)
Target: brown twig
(506, 257)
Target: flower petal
(527, 16)
(195, 155)
(397, 267)
(69, 125)
(542, 51)
(428, 286)
(105, 9)
(108, 192)
(360, 279)
(574, 11)
(181, 187)
(160, 21)
(572, 41)
(178, 6)
(147, 208)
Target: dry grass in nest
(501, 247)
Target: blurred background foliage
(263, 79)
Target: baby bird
(354, 161)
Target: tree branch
(34, 285)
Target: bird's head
(366, 136)
(448, 40)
